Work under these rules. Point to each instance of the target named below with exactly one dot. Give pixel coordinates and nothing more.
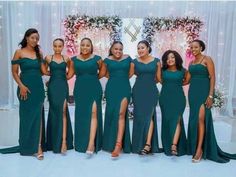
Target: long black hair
(23, 42)
(147, 45)
(86, 38)
(178, 59)
(115, 42)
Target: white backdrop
(17, 17)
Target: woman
(59, 131)
(172, 104)
(145, 98)
(118, 91)
(30, 93)
(87, 95)
(201, 137)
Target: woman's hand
(209, 102)
(23, 92)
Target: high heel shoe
(39, 155)
(194, 160)
(146, 151)
(174, 150)
(90, 152)
(117, 150)
(63, 148)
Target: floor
(76, 164)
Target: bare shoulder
(208, 60)
(17, 54)
(48, 58)
(66, 58)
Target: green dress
(172, 103)
(198, 93)
(87, 90)
(145, 98)
(57, 94)
(31, 110)
(117, 89)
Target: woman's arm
(102, 69)
(15, 73)
(187, 77)
(211, 70)
(131, 70)
(44, 67)
(158, 74)
(71, 70)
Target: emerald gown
(172, 103)
(117, 89)
(58, 93)
(31, 110)
(198, 93)
(87, 90)
(145, 98)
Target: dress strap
(63, 58)
(51, 58)
(202, 59)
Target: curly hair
(178, 59)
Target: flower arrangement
(191, 26)
(73, 23)
(218, 99)
(131, 110)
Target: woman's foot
(146, 150)
(174, 149)
(63, 147)
(197, 157)
(39, 155)
(90, 150)
(116, 151)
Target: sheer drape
(219, 31)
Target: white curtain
(219, 31)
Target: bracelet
(210, 96)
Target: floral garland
(191, 26)
(73, 23)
